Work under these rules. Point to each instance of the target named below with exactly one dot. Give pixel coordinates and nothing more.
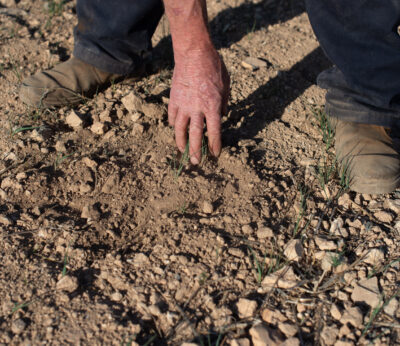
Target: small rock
(344, 343)
(98, 128)
(291, 342)
(90, 212)
(111, 184)
(67, 283)
(288, 329)
(5, 220)
(392, 204)
(294, 250)
(246, 307)
(140, 259)
(383, 216)
(367, 291)
(273, 316)
(247, 229)
(236, 252)
(239, 342)
(116, 297)
(132, 102)
(137, 129)
(105, 116)
(253, 63)
(329, 335)
(152, 110)
(353, 316)
(18, 326)
(207, 207)
(73, 120)
(324, 244)
(338, 229)
(283, 278)
(392, 307)
(264, 233)
(155, 310)
(264, 336)
(60, 146)
(36, 136)
(374, 257)
(336, 312)
(89, 162)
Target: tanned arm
(200, 83)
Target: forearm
(188, 23)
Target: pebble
(207, 207)
(140, 259)
(353, 316)
(18, 326)
(5, 220)
(240, 342)
(246, 307)
(73, 120)
(392, 204)
(392, 307)
(324, 244)
(273, 316)
(132, 102)
(283, 278)
(90, 212)
(329, 334)
(264, 336)
(265, 233)
(253, 63)
(116, 297)
(338, 229)
(247, 229)
(67, 283)
(374, 256)
(105, 116)
(294, 250)
(336, 312)
(367, 291)
(288, 329)
(98, 128)
(383, 216)
(291, 342)
(236, 252)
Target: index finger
(214, 133)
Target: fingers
(214, 134)
(196, 137)
(172, 113)
(181, 124)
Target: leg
(110, 41)
(361, 38)
(114, 37)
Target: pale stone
(288, 329)
(392, 307)
(132, 102)
(246, 307)
(338, 229)
(291, 342)
(383, 216)
(240, 342)
(367, 291)
(374, 257)
(329, 335)
(207, 207)
(336, 312)
(253, 63)
(116, 297)
(73, 120)
(264, 233)
(67, 283)
(353, 316)
(247, 229)
(98, 128)
(18, 326)
(141, 258)
(273, 316)
(324, 244)
(264, 336)
(283, 278)
(294, 250)
(137, 129)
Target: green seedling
(150, 340)
(60, 159)
(261, 267)
(304, 193)
(326, 129)
(209, 341)
(23, 128)
(66, 261)
(20, 306)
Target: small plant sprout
(268, 265)
(60, 159)
(325, 127)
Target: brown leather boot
(65, 84)
(367, 155)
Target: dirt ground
(108, 236)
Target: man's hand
(200, 84)
(200, 89)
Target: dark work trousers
(360, 37)
(115, 36)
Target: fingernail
(194, 160)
